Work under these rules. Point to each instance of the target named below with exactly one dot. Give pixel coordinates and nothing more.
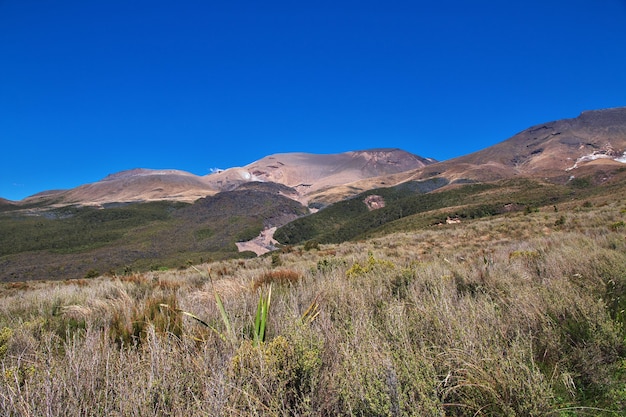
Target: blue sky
(89, 88)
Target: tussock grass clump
(128, 327)
(505, 316)
(279, 277)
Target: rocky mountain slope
(556, 150)
(136, 185)
(592, 144)
(60, 234)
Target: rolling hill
(74, 242)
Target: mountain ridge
(548, 149)
(593, 143)
(304, 172)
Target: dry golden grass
(517, 315)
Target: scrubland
(511, 315)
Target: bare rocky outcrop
(374, 202)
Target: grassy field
(520, 314)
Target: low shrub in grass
(266, 373)
(358, 269)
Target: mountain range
(144, 218)
(557, 151)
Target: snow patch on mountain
(606, 153)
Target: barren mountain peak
(302, 172)
(615, 115)
(135, 172)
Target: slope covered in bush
(74, 242)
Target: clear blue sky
(88, 88)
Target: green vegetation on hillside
(408, 208)
(77, 229)
(73, 242)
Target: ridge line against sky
(92, 88)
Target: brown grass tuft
(134, 278)
(280, 277)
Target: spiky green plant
(262, 313)
(260, 318)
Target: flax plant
(260, 318)
(262, 314)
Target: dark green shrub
(92, 273)
(311, 244)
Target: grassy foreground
(515, 315)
